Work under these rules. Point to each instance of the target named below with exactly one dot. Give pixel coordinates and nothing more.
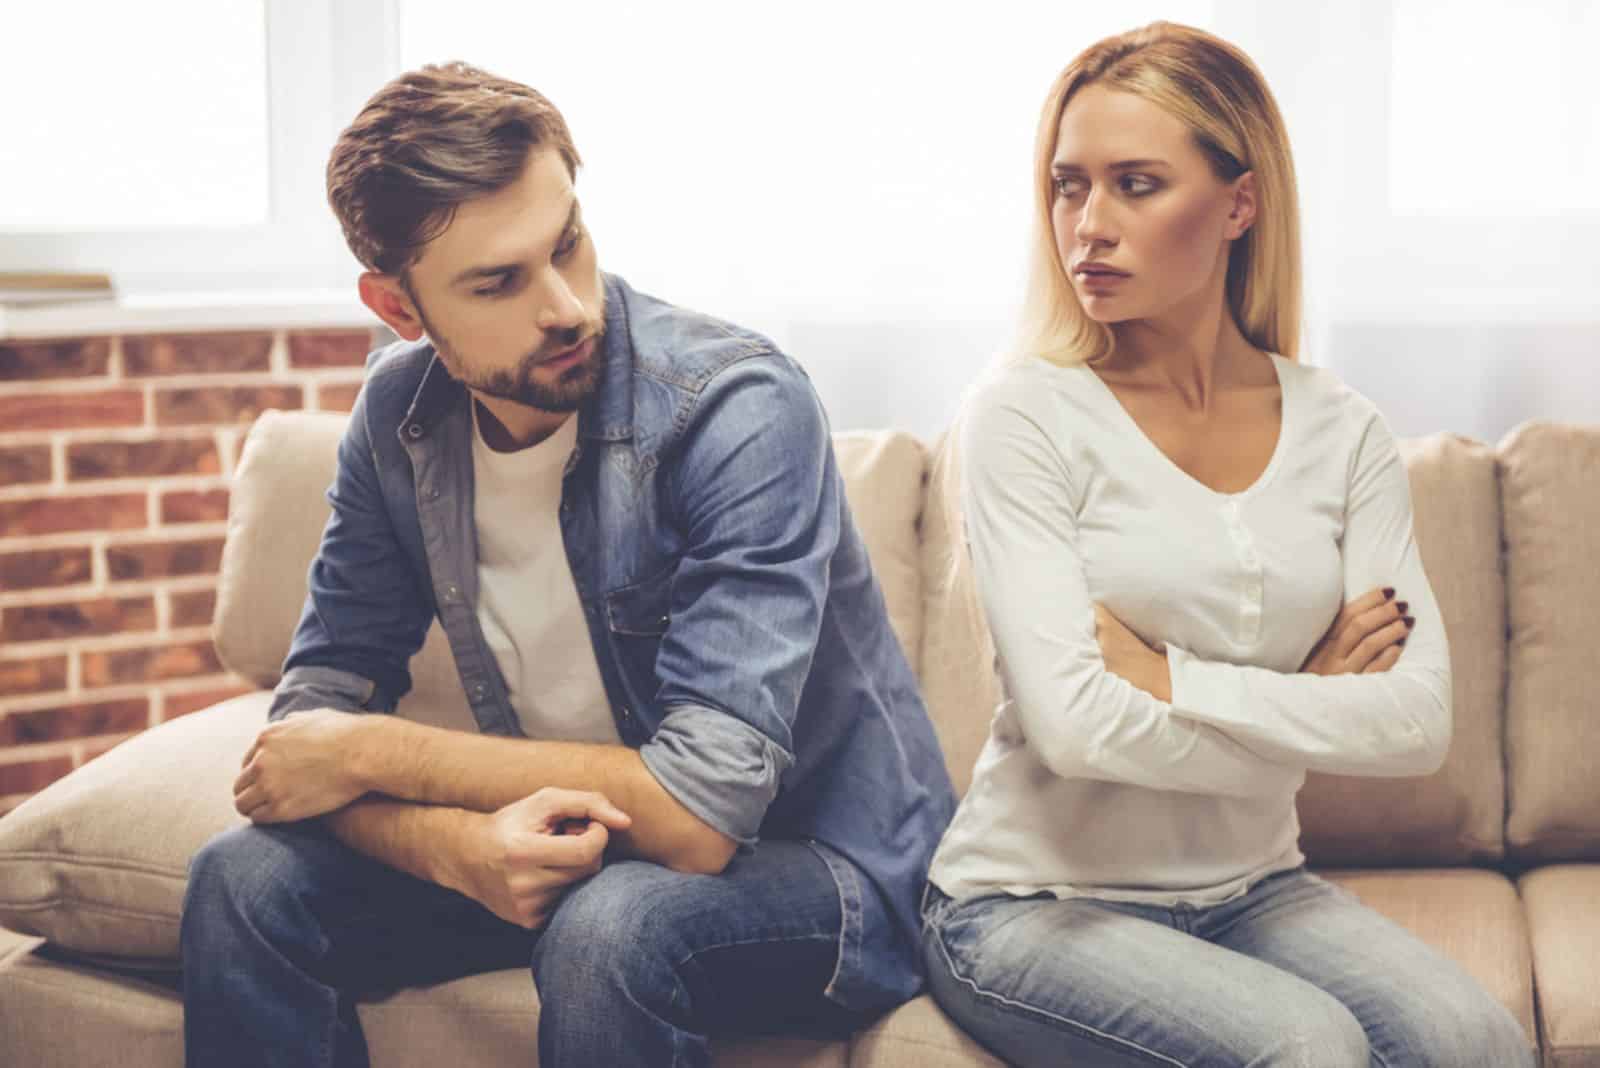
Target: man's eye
(495, 288)
(570, 245)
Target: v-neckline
(1163, 460)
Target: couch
(1495, 859)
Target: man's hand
(1126, 654)
(1366, 636)
(520, 861)
(300, 767)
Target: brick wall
(115, 459)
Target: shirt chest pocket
(637, 617)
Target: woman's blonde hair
(1216, 91)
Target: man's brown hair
(427, 142)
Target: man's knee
(248, 878)
(617, 929)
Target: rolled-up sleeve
(757, 495)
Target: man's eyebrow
(489, 270)
(1120, 165)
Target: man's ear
(389, 301)
(1243, 214)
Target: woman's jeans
(284, 928)
(1295, 972)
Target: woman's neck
(1195, 348)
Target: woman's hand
(1126, 655)
(1367, 636)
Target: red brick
(47, 567)
(26, 463)
(75, 721)
(194, 506)
(337, 396)
(143, 459)
(45, 675)
(222, 405)
(329, 348)
(61, 515)
(77, 619)
(194, 609)
(62, 358)
(182, 704)
(183, 354)
(32, 775)
(169, 660)
(70, 411)
(164, 559)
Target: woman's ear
(1243, 212)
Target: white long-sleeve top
(1088, 785)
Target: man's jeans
(284, 928)
(1295, 972)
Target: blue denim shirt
(742, 638)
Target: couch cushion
(60, 1014)
(919, 1035)
(1455, 814)
(98, 861)
(278, 510)
(1551, 496)
(1562, 903)
(1472, 917)
(959, 681)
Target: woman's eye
(1138, 185)
(1066, 187)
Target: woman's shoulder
(1327, 399)
(1032, 387)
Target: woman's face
(1142, 223)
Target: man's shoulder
(685, 348)
(394, 373)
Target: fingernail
(1410, 622)
(1402, 605)
(1388, 592)
(1402, 641)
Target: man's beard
(566, 393)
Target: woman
(1164, 510)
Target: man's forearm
(483, 773)
(426, 841)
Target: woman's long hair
(1216, 91)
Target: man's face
(510, 292)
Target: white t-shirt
(1088, 785)
(527, 602)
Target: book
(33, 288)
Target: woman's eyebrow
(1120, 165)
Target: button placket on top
(1252, 572)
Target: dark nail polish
(1410, 622)
(1402, 605)
(1402, 641)
(1388, 592)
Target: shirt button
(414, 431)
(626, 713)
(478, 690)
(433, 493)
(452, 592)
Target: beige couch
(1492, 859)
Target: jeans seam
(819, 937)
(1023, 1007)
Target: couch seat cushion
(1563, 907)
(1471, 916)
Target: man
(705, 790)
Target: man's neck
(507, 426)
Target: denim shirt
(742, 638)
